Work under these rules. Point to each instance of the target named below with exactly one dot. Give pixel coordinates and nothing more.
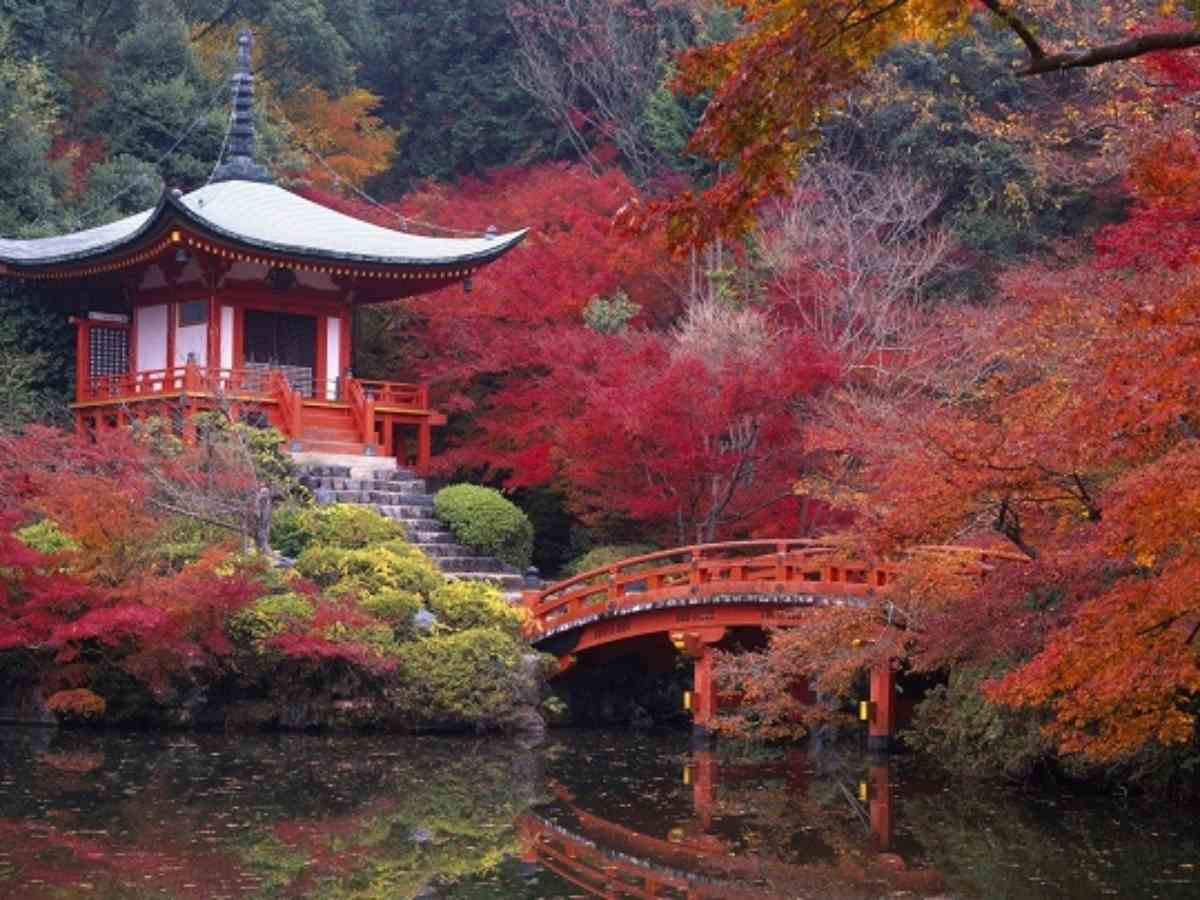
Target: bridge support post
(881, 729)
(698, 645)
(704, 694)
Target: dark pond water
(586, 814)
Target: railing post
(423, 396)
(695, 577)
(615, 590)
(191, 375)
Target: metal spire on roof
(239, 163)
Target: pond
(587, 813)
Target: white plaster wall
(333, 355)
(192, 339)
(151, 351)
(226, 337)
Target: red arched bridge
(696, 595)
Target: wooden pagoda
(241, 295)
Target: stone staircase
(402, 497)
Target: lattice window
(109, 351)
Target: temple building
(241, 295)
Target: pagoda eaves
(265, 224)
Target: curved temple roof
(265, 217)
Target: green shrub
(46, 537)
(460, 605)
(957, 725)
(606, 555)
(269, 616)
(321, 564)
(377, 639)
(474, 678)
(369, 570)
(482, 518)
(395, 607)
(295, 528)
(375, 569)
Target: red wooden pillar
(424, 443)
(704, 694)
(82, 361)
(881, 728)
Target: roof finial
(239, 163)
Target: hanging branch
(1041, 62)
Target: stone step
(422, 536)
(318, 472)
(506, 582)
(363, 484)
(406, 514)
(451, 564)
(373, 498)
(440, 551)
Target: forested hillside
(925, 268)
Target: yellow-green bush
(471, 678)
(375, 639)
(269, 616)
(483, 518)
(321, 564)
(460, 605)
(295, 529)
(395, 607)
(45, 537)
(369, 570)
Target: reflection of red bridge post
(881, 723)
(698, 644)
(880, 800)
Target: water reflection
(720, 847)
(588, 814)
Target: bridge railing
(765, 566)
(760, 566)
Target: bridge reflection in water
(695, 860)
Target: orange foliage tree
(793, 59)
(1066, 426)
(353, 143)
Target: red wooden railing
(291, 404)
(392, 393)
(363, 409)
(152, 383)
(751, 567)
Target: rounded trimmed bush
(484, 519)
(295, 529)
(472, 678)
(369, 570)
(460, 605)
(395, 607)
(269, 616)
